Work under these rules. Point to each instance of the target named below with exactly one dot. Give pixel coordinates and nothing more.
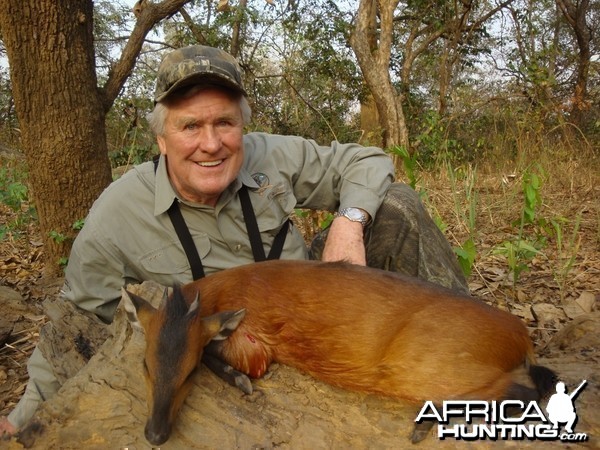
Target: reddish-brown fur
(366, 330)
(355, 327)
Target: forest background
(432, 82)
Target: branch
(148, 14)
(193, 27)
(307, 103)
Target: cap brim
(209, 79)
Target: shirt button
(238, 247)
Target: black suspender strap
(254, 233)
(258, 251)
(279, 240)
(187, 242)
(184, 235)
(252, 226)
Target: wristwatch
(355, 215)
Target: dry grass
(559, 274)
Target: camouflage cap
(197, 64)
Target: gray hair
(158, 116)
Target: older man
(217, 198)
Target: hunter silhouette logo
(508, 419)
(560, 407)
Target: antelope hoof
(243, 383)
(421, 431)
(238, 379)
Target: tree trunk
(575, 14)
(457, 27)
(375, 67)
(59, 107)
(369, 122)
(237, 28)
(369, 118)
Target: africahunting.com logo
(509, 419)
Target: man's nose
(210, 140)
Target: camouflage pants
(403, 238)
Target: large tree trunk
(375, 67)
(61, 109)
(60, 112)
(369, 122)
(369, 118)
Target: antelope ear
(164, 299)
(221, 325)
(195, 305)
(138, 310)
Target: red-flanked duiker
(355, 327)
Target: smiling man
(202, 140)
(216, 198)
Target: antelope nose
(157, 436)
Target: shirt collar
(165, 194)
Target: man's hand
(7, 429)
(345, 242)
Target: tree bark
(60, 111)
(575, 14)
(375, 67)
(60, 107)
(237, 28)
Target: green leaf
(466, 256)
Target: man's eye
(191, 126)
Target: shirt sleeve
(94, 274)
(329, 177)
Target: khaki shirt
(129, 238)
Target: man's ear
(162, 146)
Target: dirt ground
(557, 297)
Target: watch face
(354, 214)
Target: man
(217, 198)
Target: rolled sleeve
(367, 173)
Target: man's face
(203, 143)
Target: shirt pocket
(171, 258)
(272, 208)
